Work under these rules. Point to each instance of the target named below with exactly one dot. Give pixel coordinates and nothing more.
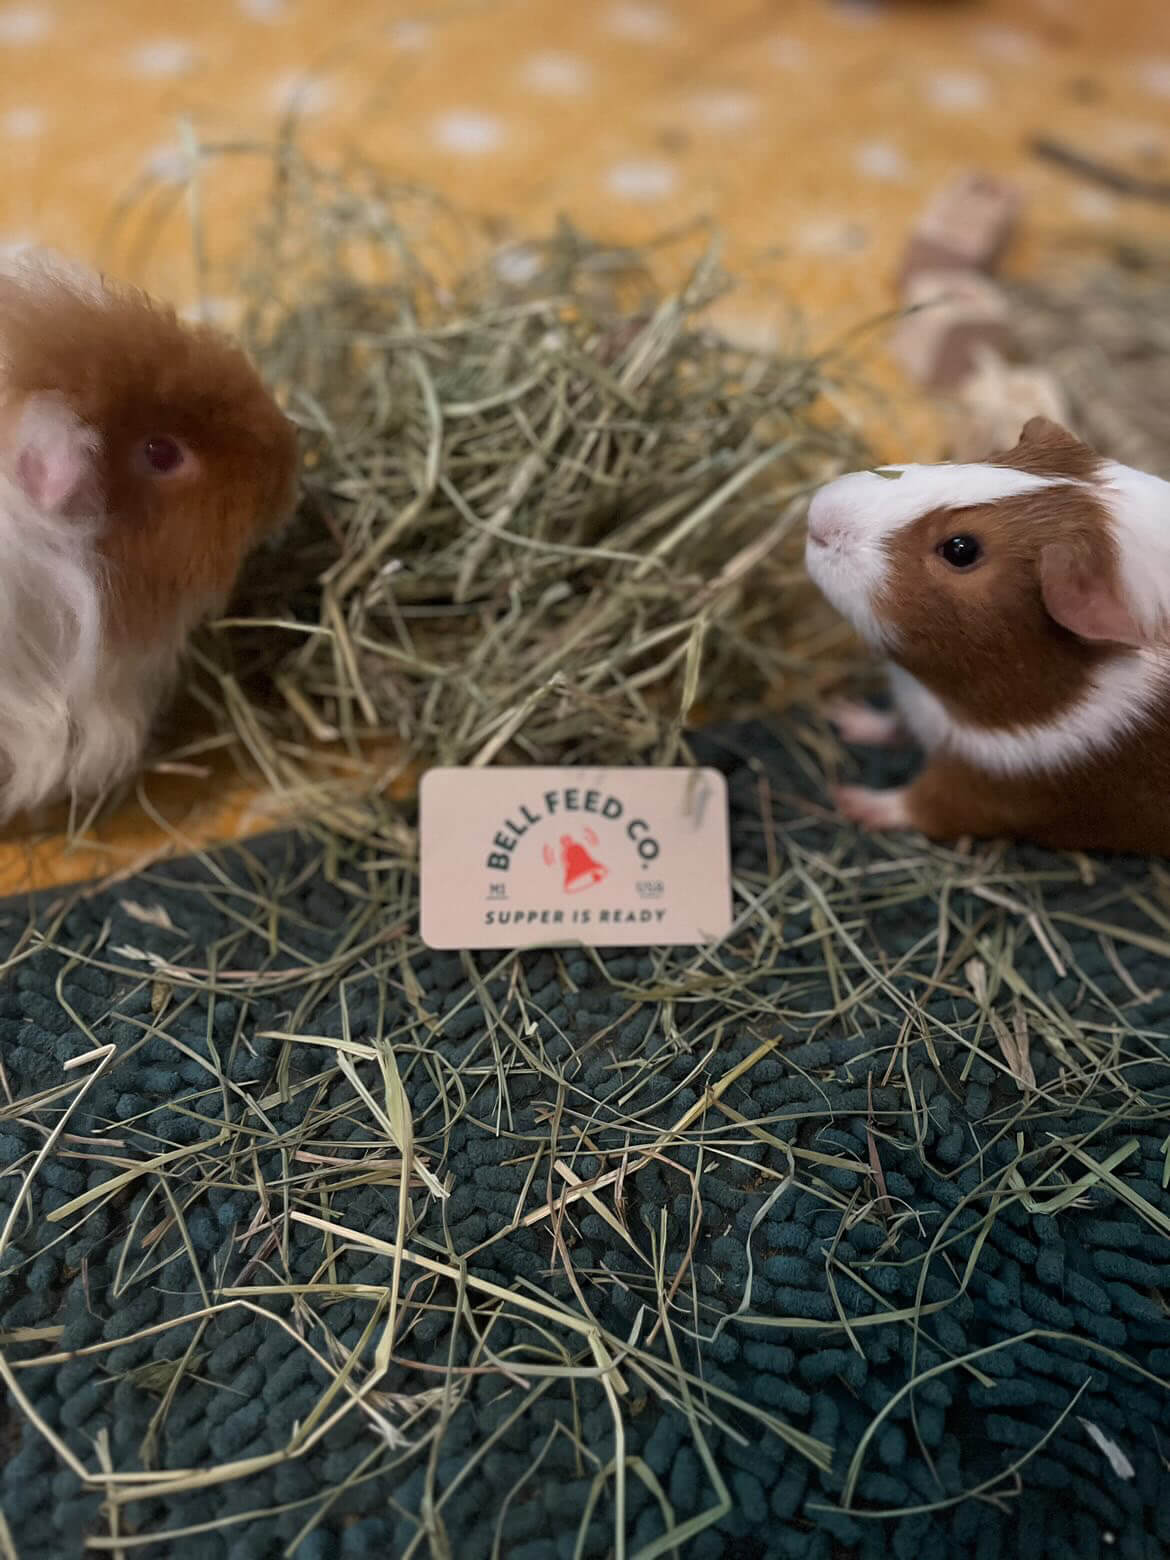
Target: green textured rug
(877, 1265)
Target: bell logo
(580, 868)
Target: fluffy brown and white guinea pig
(140, 460)
(1023, 605)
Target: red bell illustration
(581, 870)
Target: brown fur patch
(1045, 449)
(1113, 802)
(980, 638)
(132, 371)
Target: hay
(549, 512)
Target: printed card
(520, 858)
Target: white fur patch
(110, 734)
(850, 581)
(73, 716)
(50, 634)
(1120, 697)
(74, 713)
(887, 502)
(851, 519)
(1139, 505)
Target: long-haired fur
(62, 728)
(104, 568)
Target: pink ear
(1084, 600)
(55, 455)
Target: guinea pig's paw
(864, 726)
(873, 809)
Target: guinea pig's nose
(823, 524)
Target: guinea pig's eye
(161, 455)
(960, 551)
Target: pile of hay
(549, 512)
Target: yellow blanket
(811, 130)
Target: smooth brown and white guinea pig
(1023, 604)
(140, 460)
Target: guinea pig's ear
(1042, 430)
(56, 455)
(1080, 594)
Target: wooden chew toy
(967, 226)
(956, 338)
(957, 316)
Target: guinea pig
(1023, 605)
(141, 459)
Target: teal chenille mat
(879, 1264)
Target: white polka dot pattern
(164, 57)
(467, 132)
(641, 180)
(24, 24)
(726, 108)
(1006, 44)
(560, 75)
(639, 23)
(23, 124)
(302, 94)
(411, 34)
(880, 160)
(957, 91)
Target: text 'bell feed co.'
(512, 858)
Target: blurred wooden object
(957, 339)
(956, 316)
(966, 226)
